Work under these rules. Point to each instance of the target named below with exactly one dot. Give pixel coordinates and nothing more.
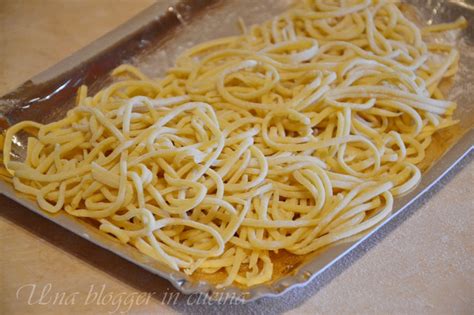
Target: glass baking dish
(151, 41)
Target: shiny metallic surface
(151, 41)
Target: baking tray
(151, 41)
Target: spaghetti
(293, 136)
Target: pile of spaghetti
(293, 136)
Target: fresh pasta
(293, 136)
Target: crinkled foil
(152, 41)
